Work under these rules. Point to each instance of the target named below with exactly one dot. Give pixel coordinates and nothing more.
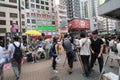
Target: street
(42, 70)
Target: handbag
(114, 48)
(54, 54)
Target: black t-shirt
(96, 45)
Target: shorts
(34, 52)
(1, 69)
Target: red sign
(71, 24)
(78, 24)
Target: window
(42, 7)
(33, 21)
(28, 20)
(2, 14)
(37, 6)
(46, 3)
(23, 23)
(53, 22)
(13, 1)
(23, 30)
(26, 4)
(23, 16)
(32, 6)
(2, 22)
(32, 0)
(13, 15)
(3, 30)
(34, 27)
(47, 8)
(42, 2)
(37, 1)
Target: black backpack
(17, 53)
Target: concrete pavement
(42, 70)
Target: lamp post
(19, 3)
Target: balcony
(110, 8)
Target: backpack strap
(16, 46)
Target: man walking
(15, 50)
(85, 53)
(96, 49)
(69, 53)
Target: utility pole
(19, 3)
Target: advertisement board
(78, 24)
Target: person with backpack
(113, 49)
(55, 54)
(15, 51)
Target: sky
(101, 1)
(57, 2)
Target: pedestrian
(15, 51)
(69, 52)
(54, 54)
(34, 47)
(2, 60)
(74, 48)
(47, 47)
(96, 50)
(112, 53)
(85, 53)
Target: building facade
(83, 9)
(61, 18)
(40, 16)
(9, 14)
(73, 9)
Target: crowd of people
(86, 49)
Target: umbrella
(32, 32)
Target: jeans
(16, 67)
(85, 62)
(100, 61)
(54, 63)
(70, 57)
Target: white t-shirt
(1, 52)
(77, 42)
(12, 48)
(47, 42)
(112, 43)
(85, 50)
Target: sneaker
(33, 62)
(70, 72)
(17, 78)
(87, 75)
(55, 71)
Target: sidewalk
(43, 71)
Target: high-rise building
(61, 18)
(83, 9)
(73, 8)
(9, 14)
(96, 21)
(39, 15)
